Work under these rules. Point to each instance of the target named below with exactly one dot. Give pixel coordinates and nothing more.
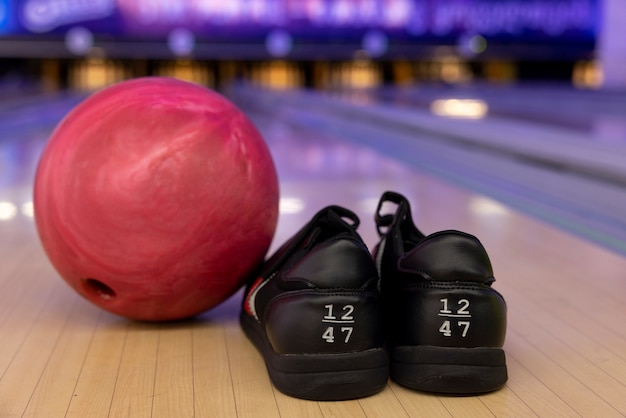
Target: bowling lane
(570, 179)
(572, 142)
(61, 356)
(597, 114)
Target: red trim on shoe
(246, 306)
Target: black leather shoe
(446, 324)
(314, 313)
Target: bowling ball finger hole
(99, 289)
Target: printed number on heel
(460, 317)
(345, 317)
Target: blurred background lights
(477, 44)
(469, 45)
(181, 42)
(375, 43)
(291, 205)
(38, 16)
(459, 108)
(279, 43)
(79, 40)
(28, 209)
(483, 206)
(8, 211)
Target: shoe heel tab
(400, 213)
(338, 263)
(455, 234)
(449, 256)
(344, 215)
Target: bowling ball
(156, 198)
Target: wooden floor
(63, 357)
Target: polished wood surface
(63, 357)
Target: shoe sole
(449, 370)
(320, 377)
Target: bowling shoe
(314, 312)
(446, 324)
